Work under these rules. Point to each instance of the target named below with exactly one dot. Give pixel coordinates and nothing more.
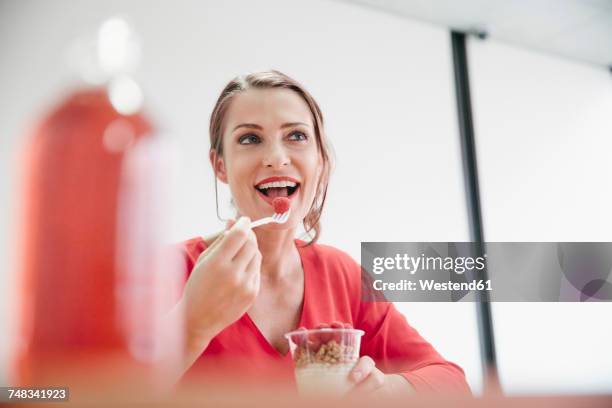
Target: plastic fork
(276, 218)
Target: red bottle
(89, 306)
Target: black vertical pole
(470, 171)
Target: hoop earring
(217, 202)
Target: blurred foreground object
(95, 278)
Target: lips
(276, 179)
(278, 186)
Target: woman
(246, 288)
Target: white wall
(544, 135)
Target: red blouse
(332, 292)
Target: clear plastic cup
(323, 359)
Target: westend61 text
(431, 285)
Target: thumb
(229, 224)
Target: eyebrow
(256, 126)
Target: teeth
(284, 183)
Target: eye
(298, 136)
(249, 139)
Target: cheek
(238, 170)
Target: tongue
(274, 192)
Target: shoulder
(328, 254)
(333, 256)
(195, 246)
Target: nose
(276, 156)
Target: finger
(235, 237)
(252, 270)
(216, 240)
(245, 255)
(373, 382)
(254, 264)
(362, 369)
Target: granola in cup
(323, 359)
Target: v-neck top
(332, 292)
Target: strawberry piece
(322, 336)
(281, 205)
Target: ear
(218, 165)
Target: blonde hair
(267, 80)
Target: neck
(278, 252)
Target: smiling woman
(274, 102)
(247, 287)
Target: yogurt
(326, 379)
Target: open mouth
(275, 189)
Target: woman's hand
(223, 284)
(368, 379)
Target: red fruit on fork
(281, 205)
(282, 209)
